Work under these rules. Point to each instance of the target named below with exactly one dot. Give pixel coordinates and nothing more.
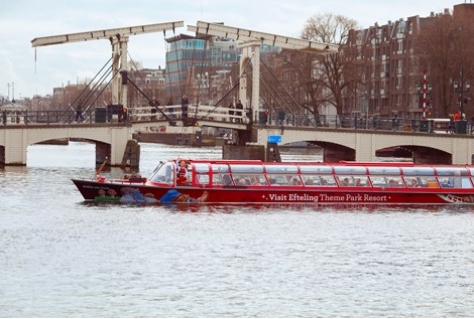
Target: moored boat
(308, 183)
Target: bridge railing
(51, 117)
(39, 117)
(229, 115)
(440, 125)
(206, 112)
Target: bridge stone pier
(110, 140)
(361, 145)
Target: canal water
(61, 257)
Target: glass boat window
(466, 182)
(459, 182)
(202, 179)
(395, 181)
(286, 180)
(378, 170)
(281, 169)
(341, 170)
(246, 169)
(220, 168)
(387, 181)
(221, 179)
(328, 181)
(425, 171)
(278, 179)
(421, 181)
(249, 179)
(317, 180)
(164, 174)
(452, 171)
(201, 168)
(316, 169)
(378, 181)
(353, 180)
(344, 180)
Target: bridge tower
(119, 41)
(250, 42)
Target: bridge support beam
(102, 151)
(250, 51)
(15, 145)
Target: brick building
(393, 61)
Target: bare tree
(336, 73)
(301, 68)
(447, 49)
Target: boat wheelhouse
(253, 182)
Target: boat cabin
(225, 173)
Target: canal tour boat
(307, 183)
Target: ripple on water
(61, 257)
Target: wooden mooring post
(131, 156)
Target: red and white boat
(308, 183)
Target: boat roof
(306, 163)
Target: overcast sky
(23, 20)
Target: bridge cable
(170, 121)
(82, 92)
(209, 112)
(288, 93)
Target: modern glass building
(192, 61)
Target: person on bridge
(281, 117)
(154, 107)
(239, 106)
(457, 116)
(184, 107)
(231, 112)
(79, 112)
(171, 110)
(265, 117)
(395, 123)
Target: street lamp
(462, 88)
(366, 109)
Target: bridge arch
(341, 143)
(111, 141)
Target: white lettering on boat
(303, 197)
(276, 197)
(329, 198)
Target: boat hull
(146, 192)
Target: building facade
(397, 73)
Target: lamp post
(462, 88)
(366, 109)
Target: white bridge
(338, 143)
(111, 137)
